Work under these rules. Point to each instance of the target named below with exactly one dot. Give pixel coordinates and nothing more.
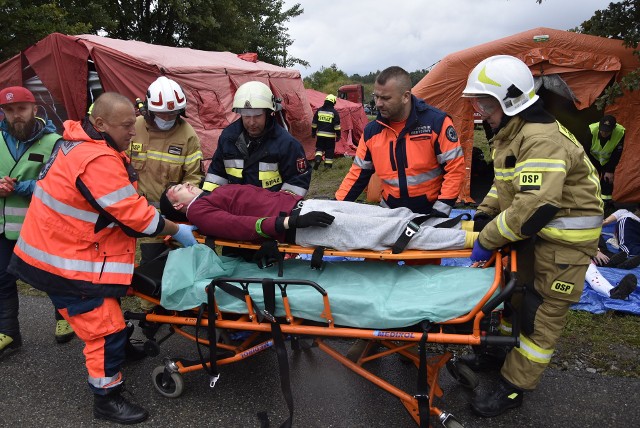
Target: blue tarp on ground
(590, 301)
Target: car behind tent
(64, 71)
(352, 121)
(573, 70)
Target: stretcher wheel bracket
(168, 383)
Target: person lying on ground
(627, 235)
(250, 213)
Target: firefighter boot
(316, 162)
(497, 401)
(486, 360)
(114, 408)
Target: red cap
(16, 94)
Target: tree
(620, 21)
(220, 25)
(327, 79)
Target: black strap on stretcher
(422, 389)
(414, 226)
(269, 295)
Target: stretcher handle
(278, 282)
(501, 297)
(492, 340)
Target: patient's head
(176, 199)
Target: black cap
(170, 213)
(607, 123)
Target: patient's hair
(167, 209)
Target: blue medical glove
(479, 253)
(184, 235)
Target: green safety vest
(13, 208)
(603, 154)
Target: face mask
(163, 125)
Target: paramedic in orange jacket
(78, 242)
(412, 146)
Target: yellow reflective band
(269, 178)
(571, 235)
(562, 287)
(209, 186)
(533, 352)
(325, 117)
(193, 157)
(505, 230)
(327, 134)
(165, 157)
(564, 131)
(234, 172)
(493, 192)
(482, 77)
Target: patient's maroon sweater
(231, 212)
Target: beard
(21, 131)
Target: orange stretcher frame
(168, 378)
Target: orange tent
(573, 68)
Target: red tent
(352, 121)
(64, 63)
(575, 65)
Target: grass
(608, 343)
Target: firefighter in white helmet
(545, 202)
(326, 126)
(166, 149)
(256, 150)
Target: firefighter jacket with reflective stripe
(79, 234)
(326, 122)
(544, 185)
(609, 155)
(13, 208)
(418, 167)
(162, 158)
(276, 162)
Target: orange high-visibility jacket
(418, 167)
(83, 219)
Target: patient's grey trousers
(371, 227)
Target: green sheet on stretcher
(367, 294)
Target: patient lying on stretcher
(249, 213)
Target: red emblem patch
(301, 164)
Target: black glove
(268, 254)
(310, 219)
(480, 220)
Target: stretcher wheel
(172, 388)
(452, 422)
(463, 374)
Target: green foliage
(620, 21)
(218, 25)
(329, 79)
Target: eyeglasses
(486, 106)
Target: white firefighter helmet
(165, 96)
(253, 95)
(505, 78)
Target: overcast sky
(363, 36)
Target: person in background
(627, 237)
(545, 202)
(27, 142)
(166, 149)
(413, 148)
(607, 144)
(326, 126)
(256, 150)
(84, 258)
